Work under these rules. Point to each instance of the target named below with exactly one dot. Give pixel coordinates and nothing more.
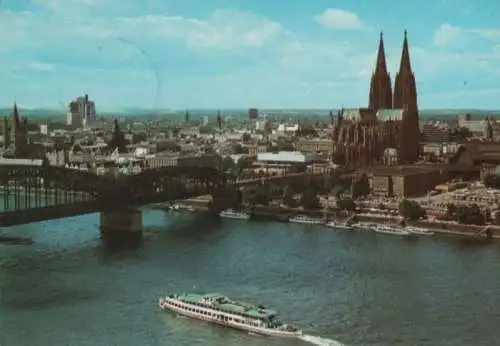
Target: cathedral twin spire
(380, 87)
(381, 94)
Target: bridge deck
(20, 217)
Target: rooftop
(286, 156)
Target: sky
(166, 54)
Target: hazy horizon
(262, 109)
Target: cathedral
(387, 131)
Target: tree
(258, 195)
(346, 204)
(309, 198)
(361, 187)
(411, 210)
(243, 163)
(139, 137)
(337, 191)
(284, 146)
(496, 220)
(463, 132)
(492, 180)
(431, 157)
(251, 196)
(246, 137)
(275, 191)
(167, 146)
(470, 215)
(206, 129)
(451, 211)
(227, 163)
(239, 149)
(306, 130)
(288, 196)
(310, 182)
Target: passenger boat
(419, 230)
(306, 220)
(386, 229)
(233, 214)
(339, 225)
(219, 309)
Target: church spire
(405, 64)
(405, 98)
(405, 93)
(380, 86)
(381, 66)
(15, 115)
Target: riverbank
(281, 213)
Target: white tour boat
(216, 308)
(364, 227)
(307, 220)
(386, 229)
(233, 214)
(339, 225)
(182, 207)
(419, 230)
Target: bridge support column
(224, 198)
(121, 227)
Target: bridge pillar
(225, 197)
(121, 227)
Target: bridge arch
(42, 176)
(164, 184)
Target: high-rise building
(81, 112)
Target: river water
(359, 289)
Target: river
(359, 289)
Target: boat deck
(229, 305)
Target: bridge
(36, 192)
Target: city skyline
(237, 54)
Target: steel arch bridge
(32, 193)
(165, 184)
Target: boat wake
(319, 341)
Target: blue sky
(242, 53)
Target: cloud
(223, 29)
(70, 7)
(333, 18)
(66, 25)
(447, 35)
(41, 66)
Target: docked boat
(219, 309)
(339, 225)
(182, 207)
(419, 230)
(386, 229)
(307, 220)
(234, 214)
(364, 227)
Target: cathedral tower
(405, 97)
(380, 86)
